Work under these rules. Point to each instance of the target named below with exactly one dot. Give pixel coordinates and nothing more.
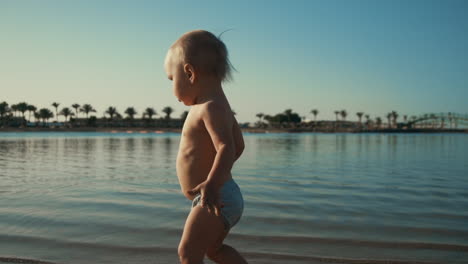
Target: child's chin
(188, 103)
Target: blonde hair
(205, 52)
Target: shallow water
(349, 198)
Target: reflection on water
(348, 196)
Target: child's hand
(209, 197)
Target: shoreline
(93, 129)
(144, 130)
(350, 131)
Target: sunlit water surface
(115, 198)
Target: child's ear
(189, 70)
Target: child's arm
(238, 139)
(218, 122)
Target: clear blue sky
(370, 56)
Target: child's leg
(224, 254)
(201, 231)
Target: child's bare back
(211, 142)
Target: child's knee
(188, 255)
(214, 252)
(182, 251)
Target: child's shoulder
(215, 107)
(217, 113)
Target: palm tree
(45, 114)
(37, 116)
(4, 109)
(76, 106)
(131, 112)
(389, 116)
(56, 105)
(168, 111)
(378, 121)
(395, 117)
(31, 109)
(315, 113)
(14, 108)
(260, 116)
(336, 115)
(22, 107)
(87, 108)
(111, 111)
(150, 112)
(288, 114)
(66, 112)
(343, 114)
(360, 114)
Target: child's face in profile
(183, 90)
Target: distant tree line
(290, 119)
(22, 114)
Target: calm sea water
(309, 198)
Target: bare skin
(197, 151)
(210, 143)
